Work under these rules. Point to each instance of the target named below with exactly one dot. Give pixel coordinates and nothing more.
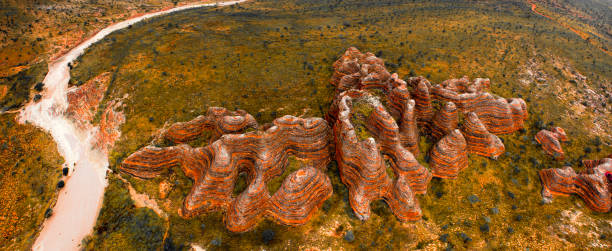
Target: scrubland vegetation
(30, 169)
(273, 58)
(34, 32)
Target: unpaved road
(79, 202)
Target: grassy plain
(31, 168)
(273, 58)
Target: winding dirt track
(582, 35)
(80, 200)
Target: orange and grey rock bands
(395, 128)
(593, 185)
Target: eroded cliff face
(83, 104)
(372, 129)
(84, 100)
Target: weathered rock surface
(218, 120)
(499, 115)
(593, 185)
(449, 156)
(362, 163)
(263, 155)
(445, 121)
(551, 141)
(108, 128)
(479, 140)
(83, 101)
(409, 109)
(83, 104)
(375, 146)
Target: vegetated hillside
(592, 19)
(34, 31)
(31, 169)
(273, 58)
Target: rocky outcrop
(263, 155)
(108, 128)
(409, 109)
(83, 101)
(449, 156)
(424, 109)
(593, 185)
(551, 141)
(362, 166)
(217, 120)
(445, 121)
(479, 140)
(408, 130)
(375, 146)
(499, 115)
(83, 104)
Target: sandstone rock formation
(362, 162)
(449, 156)
(479, 140)
(593, 185)
(263, 155)
(445, 121)
(108, 128)
(409, 107)
(84, 100)
(83, 104)
(218, 120)
(499, 115)
(375, 146)
(550, 141)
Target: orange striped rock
(499, 115)
(445, 121)
(449, 156)
(413, 82)
(218, 120)
(362, 166)
(550, 141)
(594, 185)
(263, 155)
(424, 110)
(479, 140)
(408, 130)
(398, 96)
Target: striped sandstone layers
(593, 185)
(479, 140)
(499, 115)
(409, 107)
(408, 130)
(550, 141)
(262, 155)
(445, 121)
(449, 156)
(362, 162)
(218, 120)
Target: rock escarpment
(593, 185)
(262, 155)
(83, 104)
(551, 141)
